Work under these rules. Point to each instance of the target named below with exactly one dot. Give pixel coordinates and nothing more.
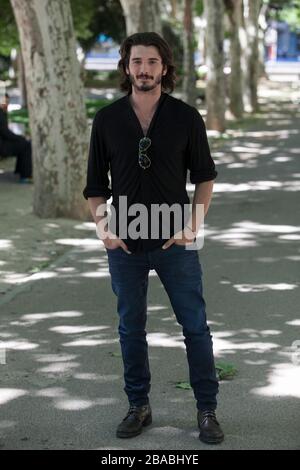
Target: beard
(145, 86)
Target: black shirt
(178, 143)
(5, 133)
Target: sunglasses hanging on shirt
(144, 160)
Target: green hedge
(20, 116)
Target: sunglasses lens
(145, 143)
(144, 161)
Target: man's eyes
(150, 62)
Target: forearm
(202, 195)
(109, 239)
(94, 203)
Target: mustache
(144, 76)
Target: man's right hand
(112, 242)
(97, 207)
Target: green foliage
(225, 371)
(90, 18)
(21, 116)
(172, 33)
(285, 10)
(82, 13)
(92, 106)
(9, 37)
(199, 7)
(40, 267)
(292, 17)
(94, 17)
(101, 79)
(183, 385)
(4, 69)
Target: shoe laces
(206, 414)
(133, 410)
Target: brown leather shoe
(210, 429)
(136, 418)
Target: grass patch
(225, 371)
(183, 385)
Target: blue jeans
(180, 273)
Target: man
(148, 140)
(15, 145)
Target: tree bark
(234, 11)
(189, 74)
(262, 27)
(142, 16)
(215, 87)
(21, 79)
(251, 9)
(173, 9)
(56, 107)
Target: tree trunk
(142, 16)
(56, 106)
(261, 54)
(189, 75)
(234, 11)
(173, 9)
(262, 28)
(251, 10)
(215, 88)
(21, 79)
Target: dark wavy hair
(147, 39)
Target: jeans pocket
(179, 246)
(114, 250)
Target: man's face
(145, 68)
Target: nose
(144, 68)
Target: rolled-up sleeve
(199, 160)
(98, 164)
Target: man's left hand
(184, 237)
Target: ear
(165, 69)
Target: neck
(145, 99)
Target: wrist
(190, 234)
(190, 228)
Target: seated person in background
(13, 145)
